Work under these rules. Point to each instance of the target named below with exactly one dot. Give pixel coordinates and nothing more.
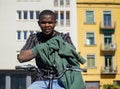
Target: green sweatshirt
(57, 51)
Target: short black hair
(47, 12)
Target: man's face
(47, 24)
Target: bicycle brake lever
(69, 66)
(80, 70)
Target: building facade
(19, 20)
(98, 41)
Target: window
(62, 18)
(25, 14)
(28, 0)
(61, 2)
(2, 81)
(64, 3)
(37, 14)
(55, 2)
(117, 82)
(56, 14)
(31, 14)
(89, 17)
(18, 0)
(25, 0)
(92, 85)
(67, 18)
(18, 82)
(108, 62)
(107, 41)
(90, 38)
(18, 35)
(19, 15)
(107, 38)
(67, 2)
(31, 32)
(25, 35)
(90, 61)
(107, 18)
(15, 79)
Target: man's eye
(47, 22)
(43, 22)
(50, 22)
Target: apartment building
(18, 19)
(98, 41)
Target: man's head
(47, 22)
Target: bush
(110, 86)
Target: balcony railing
(107, 25)
(108, 47)
(109, 70)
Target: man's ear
(39, 23)
(55, 22)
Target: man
(47, 23)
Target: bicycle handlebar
(68, 68)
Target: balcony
(108, 47)
(107, 25)
(109, 70)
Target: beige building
(98, 41)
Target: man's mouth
(47, 30)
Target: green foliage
(110, 86)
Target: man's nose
(46, 24)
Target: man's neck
(50, 35)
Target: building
(19, 20)
(98, 41)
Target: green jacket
(57, 51)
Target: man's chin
(47, 34)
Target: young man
(47, 23)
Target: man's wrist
(35, 51)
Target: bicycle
(52, 77)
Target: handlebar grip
(84, 70)
(25, 67)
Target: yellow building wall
(98, 6)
